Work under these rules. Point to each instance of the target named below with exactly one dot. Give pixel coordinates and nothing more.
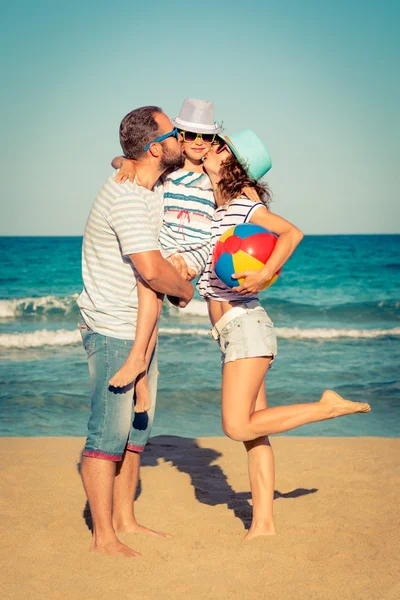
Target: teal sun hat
(250, 151)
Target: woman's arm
(289, 238)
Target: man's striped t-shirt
(188, 210)
(125, 219)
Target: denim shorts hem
(134, 448)
(249, 355)
(102, 455)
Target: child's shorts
(245, 331)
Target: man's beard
(171, 161)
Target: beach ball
(244, 247)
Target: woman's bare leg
(241, 382)
(148, 314)
(261, 466)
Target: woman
(243, 329)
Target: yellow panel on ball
(244, 262)
(270, 282)
(227, 234)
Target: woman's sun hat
(250, 151)
(197, 116)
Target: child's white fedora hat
(197, 116)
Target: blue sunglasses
(174, 133)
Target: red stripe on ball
(233, 244)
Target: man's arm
(161, 276)
(130, 219)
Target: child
(189, 206)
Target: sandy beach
(336, 511)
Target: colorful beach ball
(244, 247)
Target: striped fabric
(225, 217)
(188, 210)
(125, 219)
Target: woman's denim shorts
(248, 335)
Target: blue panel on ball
(224, 269)
(247, 229)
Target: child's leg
(148, 314)
(142, 391)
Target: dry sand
(336, 511)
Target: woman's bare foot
(128, 372)
(142, 392)
(338, 406)
(115, 548)
(260, 528)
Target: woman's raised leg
(241, 382)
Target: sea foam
(64, 337)
(196, 308)
(17, 307)
(42, 337)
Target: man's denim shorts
(248, 335)
(113, 425)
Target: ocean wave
(369, 305)
(321, 333)
(195, 308)
(51, 307)
(64, 337)
(19, 307)
(43, 337)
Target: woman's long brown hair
(234, 179)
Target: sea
(336, 308)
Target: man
(121, 238)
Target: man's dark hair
(137, 129)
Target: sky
(317, 81)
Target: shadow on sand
(210, 483)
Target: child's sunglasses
(191, 136)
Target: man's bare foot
(128, 372)
(134, 527)
(338, 406)
(115, 548)
(142, 392)
(258, 529)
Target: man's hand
(178, 302)
(127, 171)
(253, 282)
(161, 276)
(180, 265)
